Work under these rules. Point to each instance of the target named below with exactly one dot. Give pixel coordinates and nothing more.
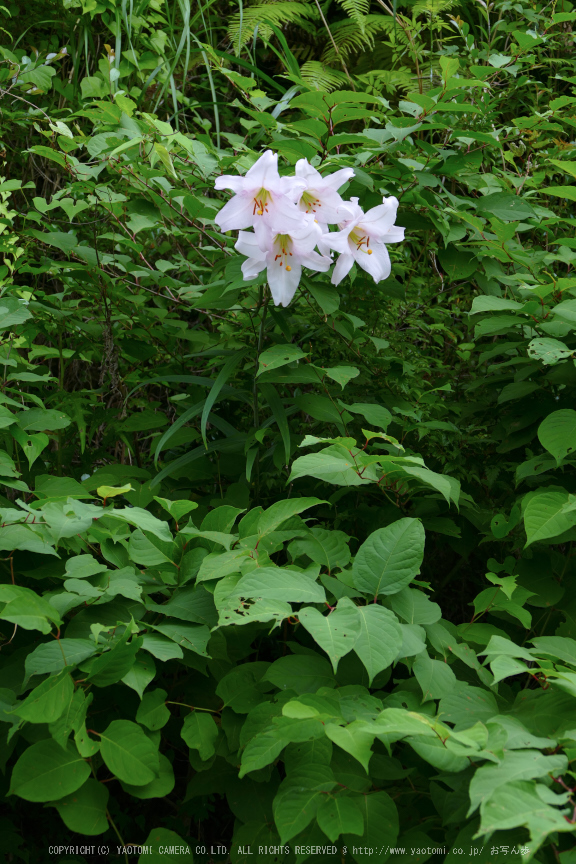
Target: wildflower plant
(290, 219)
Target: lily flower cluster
(290, 219)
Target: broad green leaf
(436, 753)
(145, 521)
(194, 637)
(342, 374)
(467, 705)
(303, 673)
(161, 647)
(152, 711)
(435, 677)
(414, 607)
(505, 206)
(47, 772)
(141, 674)
(189, 604)
(129, 753)
(557, 433)
(515, 765)
(336, 633)
(390, 558)
(568, 192)
(298, 798)
(281, 511)
(113, 491)
(380, 818)
(271, 583)
(53, 656)
(165, 158)
(43, 420)
(544, 516)
(111, 666)
(165, 847)
(555, 646)
(393, 724)
(488, 303)
(566, 310)
(23, 606)
(235, 610)
(177, 509)
(520, 803)
(449, 66)
(375, 415)
(200, 733)
(157, 788)
(72, 718)
(48, 700)
(549, 351)
(332, 465)
(216, 565)
(84, 811)
(239, 689)
(569, 167)
(327, 548)
(260, 751)
(379, 640)
(340, 815)
(279, 355)
(12, 312)
(413, 640)
(321, 408)
(354, 739)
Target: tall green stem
(255, 393)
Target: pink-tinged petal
(381, 218)
(323, 247)
(283, 282)
(264, 236)
(394, 235)
(230, 181)
(377, 264)
(251, 268)
(264, 173)
(337, 179)
(342, 268)
(325, 206)
(307, 172)
(316, 262)
(292, 188)
(236, 214)
(282, 216)
(338, 240)
(350, 213)
(307, 236)
(247, 244)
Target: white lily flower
(282, 251)
(363, 238)
(260, 195)
(320, 196)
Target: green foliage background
(287, 577)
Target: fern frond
(256, 15)
(350, 38)
(433, 8)
(356, 10)
(388, 81)
(321, 77)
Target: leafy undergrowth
(281, 578)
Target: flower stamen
(261, 200)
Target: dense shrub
(299, 575)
